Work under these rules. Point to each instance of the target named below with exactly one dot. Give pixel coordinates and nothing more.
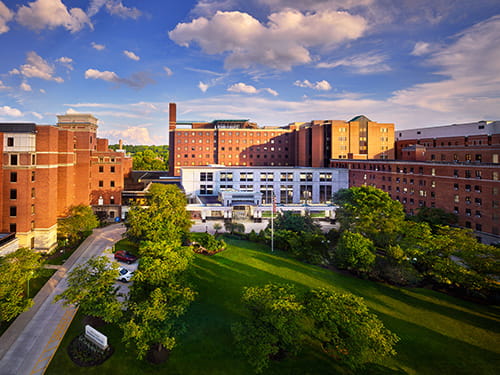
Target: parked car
(124, 275)
(125, 256)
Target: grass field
(439, 334)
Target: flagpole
(272, 221)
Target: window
(468, 212)
(478, 174)
(306, 177)
(101, 183)
(10, 142)
(479, 227)
(478, 201)
(456, 198)
(324, 177)
(286, 177)
(13, 176)
(112, 200)
(13, 159)
(264, 176)
(12, 227)
(246, 176)
(286, 194)
(468, 200)
(101, 169)
(467, 187)
(206, 176)
(455, 210)
(13, 193)
(467, 173)
(479, 158)
(32, 192)
(112, 183)
(325, 194)
(33, 159)
(32, 176)
(13, 211)
(226, 176)
(206, 189)
(112, 169)
(455, 186)
(32, 209)
(477, 188)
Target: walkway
(29, 344)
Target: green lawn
(439, 334)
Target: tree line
(147, 158)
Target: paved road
(29, 344)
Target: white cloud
(242, 87)
(203, 86)
(281, 43)
(135, 135)
(319, 85)
(37, 67)
(98, 47)
(37, 115)
(137, 80)
(9, 111)
(5, 16)
(131, 55)
(210, 7)
(421, 48)
(471, 83)
(42, 91)
(71, 111)
(271, 91)
(366, 63)
(168, 71)
(116, 8)
(66, 61)
(25, 87)
(249, 89)
(3, 87)
(50, 14)
(105, 75)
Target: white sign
(96, 337)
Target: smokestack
(172, 110)
(120, 144)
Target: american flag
(274, 204)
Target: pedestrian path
(28, 345)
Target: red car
(125, 256)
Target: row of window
(13, 176)
(111, 183)
(13, 210)
(14, 159)
(13, 193)
(266, 176)
(237, 134)
(111, 169)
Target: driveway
(33, 338)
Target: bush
(207, 241)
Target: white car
(124, 275)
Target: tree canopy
(16, 269)
(91, 287)
(165, 219)
(79, 219)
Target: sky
(414, 63)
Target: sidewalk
(23, 344)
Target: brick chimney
(120, 144)
(172, 110)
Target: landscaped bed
(439, 334)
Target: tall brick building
(454, 167)
(242, 143)
(45, 169)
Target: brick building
(454, 167)
(242, 143)
(46, 169)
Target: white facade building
(227, 192)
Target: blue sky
(415, 63)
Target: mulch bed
(84, 355)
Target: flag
(274, 204)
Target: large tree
(165, 219)
(15, 271)
(371, 212)
(91, 287)
(79, 219)
(354, 252)
(149, 160)
(273, 325)
(346, 329)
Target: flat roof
(17, 127)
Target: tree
(16, 269)
(80, 219)
(296, 223)
(434, 217)
(217, 227)
(371, 212)
(153, 319)
(354, 252)
(148, 160)
(165, 219)
(272, 328)
(234, 227)
(91, 287)
(346, 329)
